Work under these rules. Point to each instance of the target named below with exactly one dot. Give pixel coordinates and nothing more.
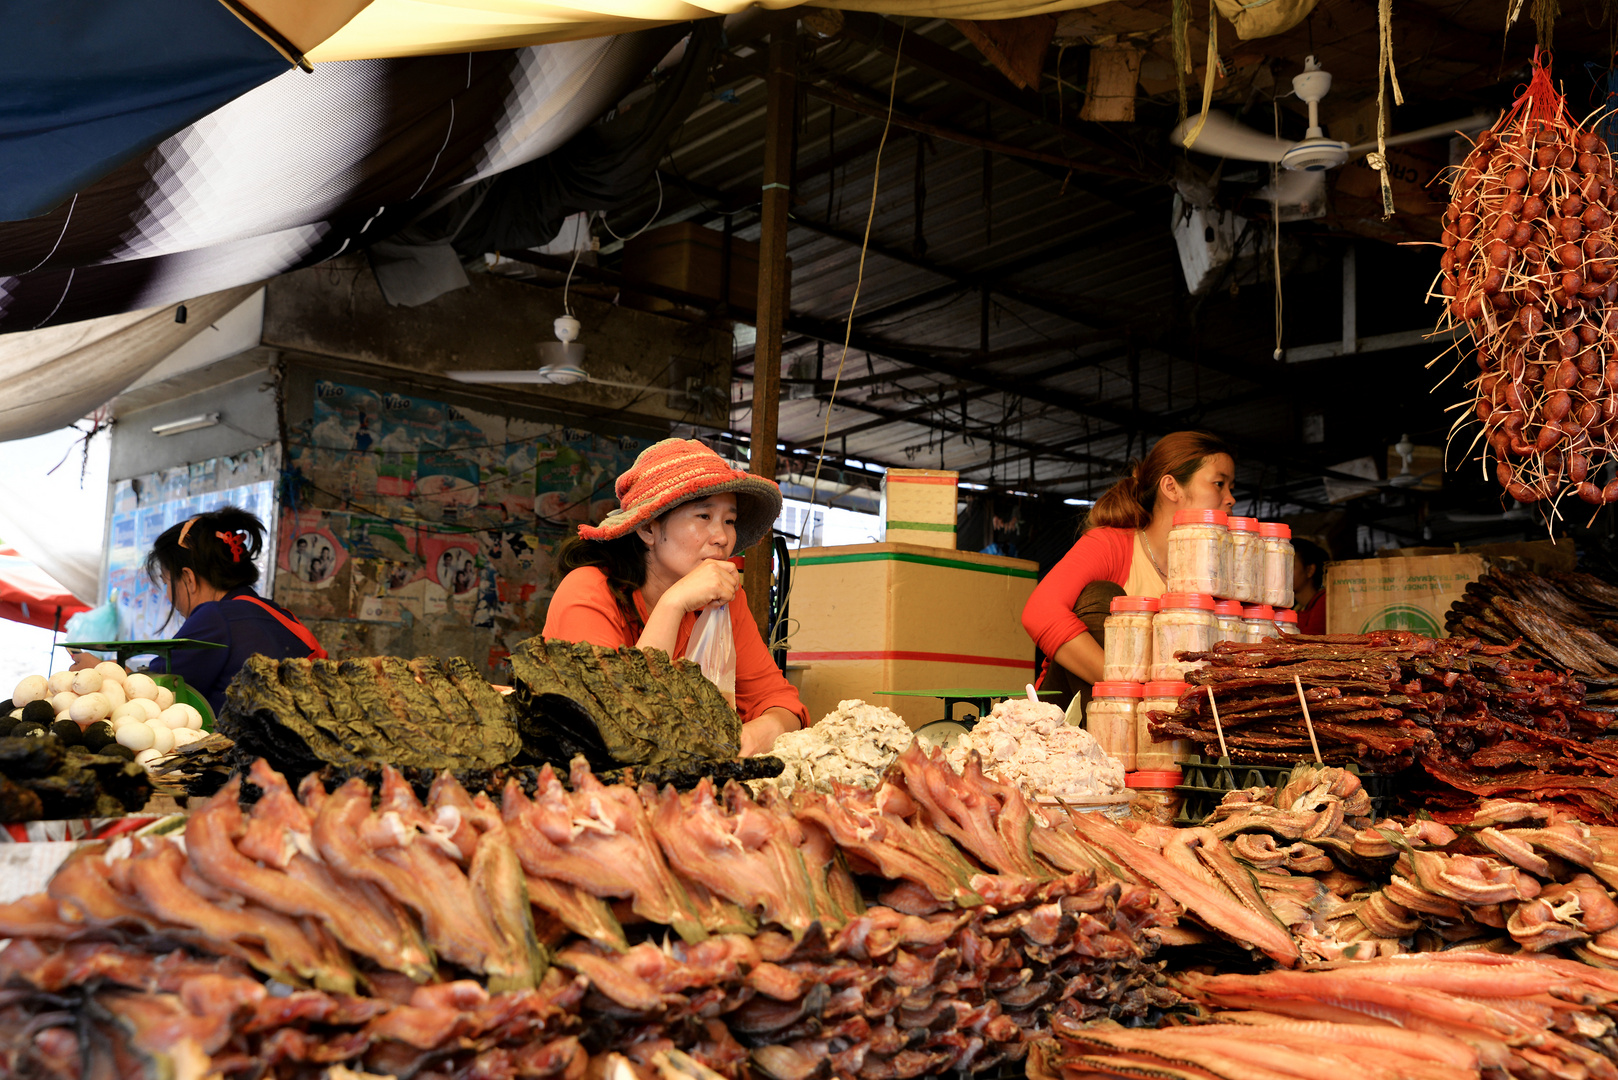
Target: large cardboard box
(691, 258)
(918, 506)
(875, 617)
(1397, 593)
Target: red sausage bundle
(1530, 272)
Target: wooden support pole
(781, 81)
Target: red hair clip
(233, 540)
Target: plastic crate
(1207, 781)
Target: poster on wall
(430, 527)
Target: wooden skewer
(1219, 728)
(1310, 724)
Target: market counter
(875, 617)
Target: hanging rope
(1384, 75)
(1213, 69)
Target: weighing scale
(163, 647)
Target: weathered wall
(337, 313)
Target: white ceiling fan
(562, 364)
(1222, 136)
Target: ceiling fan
(1221, 136)
(562, 364)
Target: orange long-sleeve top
(583, 609)
(1102, 554)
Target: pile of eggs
(101, 707)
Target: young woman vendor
(1122, 551)
(206, 565)
(642, 575)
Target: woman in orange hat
(641, 577)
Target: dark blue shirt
(245, 628)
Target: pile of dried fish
(618, 707)
(1308, 859)
(304, 714)
(1478, 720)
(1451, 1016)
(1567, 621)
(154, 954)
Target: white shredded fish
(1028, 742)
(854, 745)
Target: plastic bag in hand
(713, 649)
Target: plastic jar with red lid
(1260, 622)
(1199, 553)
(1126, 650)
(1156, 801)
(1110, 718)
(1277, 591)
(1286, 621)
(1162, 697)
(1246, 560)
(1228, 614)
(1185, 623)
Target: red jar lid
(1154, 778)
(1229, 607)
(1166, 689)
(1199, 517)
(1133, 603)
(1275, 528)
(1286, 615)
(1185, 600)
(1242, 524)
(1117, 689)
(1259, 611)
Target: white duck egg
(63, 715)
(113, 671)
(33, 688)
(90, 708)
(184, 736)
(137, 737)
(194, 718)
(141, 685)
(148, 707)
(64, 701)
(114, 691)
(173, 717)
(62, 680)
(149, 756)
(165, 698)
(162, 737)
(87, 681)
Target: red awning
(29, 595)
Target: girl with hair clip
(1122, 551)
(206, 565)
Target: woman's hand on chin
(714, 581)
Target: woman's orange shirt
(583, 609)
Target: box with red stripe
(918, 507)
(905, 617)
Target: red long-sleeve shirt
(583, 609)
(1099, 555)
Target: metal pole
(773, 292)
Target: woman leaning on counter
(1122, 551)
(642, 575)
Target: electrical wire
(848, 331)
(601, 215)
(583, 220)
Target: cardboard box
(918, 506)
(1397, 593)
(691, 258)
(875, 617)
(1540, 556)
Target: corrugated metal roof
(1088, 326)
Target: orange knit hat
(677, 471)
